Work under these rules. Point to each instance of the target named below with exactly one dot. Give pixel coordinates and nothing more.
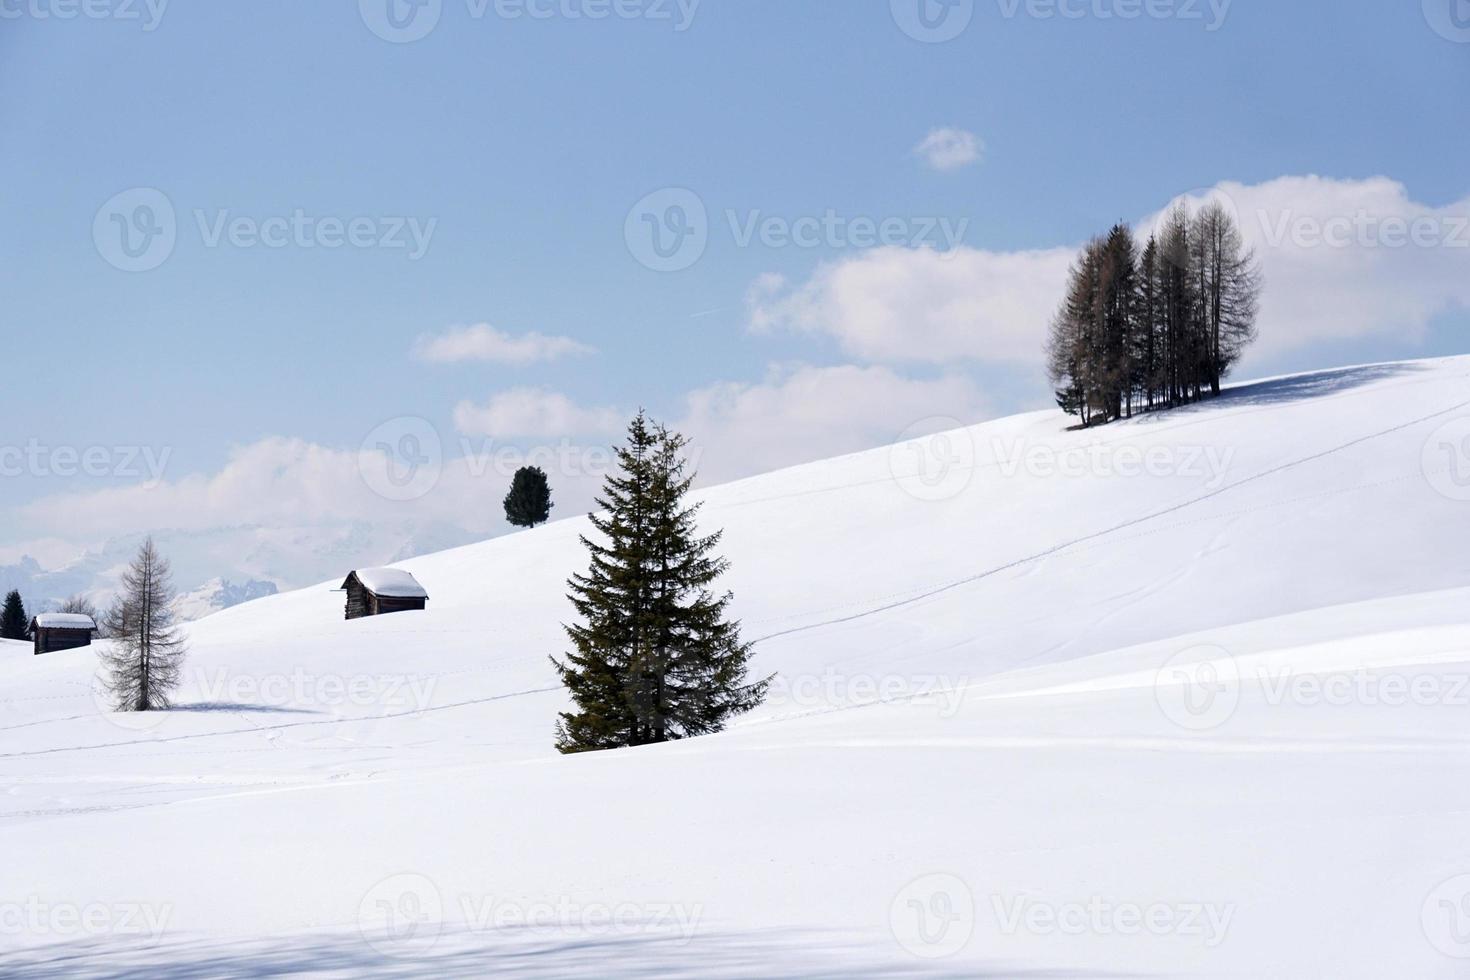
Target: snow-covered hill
(1183, 696)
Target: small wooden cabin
(379, 591)
(61, 631)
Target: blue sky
(527, 140)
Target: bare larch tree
(147, 651)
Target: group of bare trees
(1156, 326)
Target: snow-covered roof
(64, 621)
(392, 582)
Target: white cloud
(48, 552)
(899, 305)
(1348, 259)
(294, 511)
(795, 415)
(290, 511)
(1339, 259)
(800, 414)
(537, 413)
(482, 342)
(297, 512)
(949, 148)
(276, 481)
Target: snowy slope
(1183, 696)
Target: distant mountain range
(216, 568)
(217, 594)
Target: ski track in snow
(1125, 525)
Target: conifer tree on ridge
(529, 501)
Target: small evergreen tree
(655, 657)
(147, 651)
(14, 623)
(529, 501)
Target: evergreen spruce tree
(611, 600)
(14, 624)
(147, 651)
(655, 657)
(529, 501)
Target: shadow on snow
(802, 955)
(1281, 391)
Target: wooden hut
(61, 631)
(379, 591)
